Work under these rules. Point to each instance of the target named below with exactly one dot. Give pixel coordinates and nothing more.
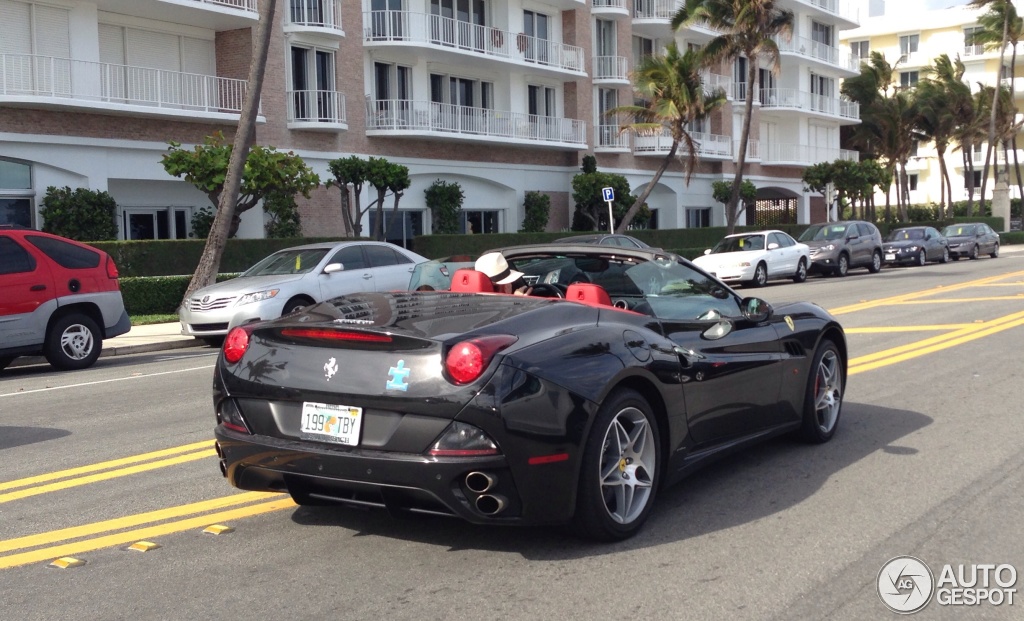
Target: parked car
(507, 409)
(971, 239)
(58, 297)
(295, 277)
(916, 245)
(604, 239)
(755, 258)
(836, 247)
(436, 275)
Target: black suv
(838, 246)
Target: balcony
(612, 70)
(214, 14)
(61, 83)
(781, 99)
(317, 110)
(803, 155)
(402, 117)
(609, 139)
(716, 82)
(818, 51)
(314, 16)
(844, 13)
(609, 7)
(709, 146)
(462, 39)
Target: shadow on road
(11, 437)
(750, 486)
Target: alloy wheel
(828, 391)
(628, 460)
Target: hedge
(157, 295)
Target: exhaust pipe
(490, 504)
(224, 468)
(480, 482)
(216, 447)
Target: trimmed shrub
(284, 216)
(159, 295)
(537, 206)
(80, 214)
(445, 203)
(202, 222)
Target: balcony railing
(713, 82)
(654, 9)
(611, 68)
(810, 102)
(315, 14)
(839, 8)
(777, 153)
(809, 48)
(708, 145)
(609, 137)
(457, 35)
(427, 116)
(251, 6)
(609, 4)
(327, 107)
(61, 78)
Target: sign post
(608, 195)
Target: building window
(642, 48)
(480, 221)
(608, 126)
(605, 38)
(541, 100)
(392, 88)
(912, 182)
(535, 44)
(16, 193)
(698, 217)
(908, 46)
(461, 23)
(739, 76)
(399, 228)
(860, 50)
(766, 79)
(313, 96)
(977, 180)
(386, 21)
(908, 79)
(155, 222)
(913, 148)
(973, 47)
(821, 33)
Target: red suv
(58, 298)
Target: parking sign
(608, 194)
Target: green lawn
(142, 320)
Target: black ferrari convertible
(620, 373)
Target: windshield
(824, 232)
(905, 234)
(959, 230)
(436, 275)
(741, 243)
(288, 262)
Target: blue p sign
(608, 194)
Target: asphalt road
(927, 462)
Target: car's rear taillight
(318, 334)
(235, 344)
(463, 440)
(229, 415)
(111, 268)
(467, 360)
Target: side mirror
(334, 267)
(755, 309)
(707, 251)
(772, 246)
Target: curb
(118, 350)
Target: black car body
(915, 245)
(971, 239)
(524, 410)
(837, 247)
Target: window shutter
(17, 37)
(156, 50)
(52, 31)
(198, 56)
(112, 44)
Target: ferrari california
(576, 404)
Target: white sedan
(757, 257)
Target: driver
(504, 278)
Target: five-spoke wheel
(824, 397)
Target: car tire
(956, 257)
(945, 255)
(995, 252)
(974, 252)
(295, 304)
(620, 471)
(760, 276)
(876, 262)
(823, 400)
(73, 342)
(801, 272)
(922, 259)
(5, 362)
(842, 265)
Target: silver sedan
(295, 277)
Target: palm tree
(672, 97)
(970, 132)
(748, 28)
(942, 98)
(996, 20)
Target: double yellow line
(917, 295)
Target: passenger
(504, 278)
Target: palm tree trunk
(943, 182)
(995, 110)
(209, 262)
(731, 208)
(969, 167)
(638, 203)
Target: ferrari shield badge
(330, 368)
(789, 322)
(399, 377)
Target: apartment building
(502, 96)
(911, 40)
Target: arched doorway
(774, 207)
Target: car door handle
(37, 288)
(367, 276)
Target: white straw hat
(497, 269)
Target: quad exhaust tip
(490, 504)
(480, 482)
(223, 468)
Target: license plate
(327, 422)
(890, 257)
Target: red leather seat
(466, 280)
(587, 293)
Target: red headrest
(587, 293)
(471, 281)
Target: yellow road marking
(129, 521)
(900, 329)
(63, 474)
(920, 294)
(991, 298)
(103, 476)
(45, 554)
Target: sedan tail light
(467, 360)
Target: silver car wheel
(77, 342)
(628, 461)
(828, 391)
